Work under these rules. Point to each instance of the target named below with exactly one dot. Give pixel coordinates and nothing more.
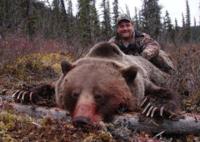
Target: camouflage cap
(123, 17)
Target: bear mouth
(85, 116)
(82, 122)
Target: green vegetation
(14, 128)
(10, 122)
(38, 65)
(57, 20)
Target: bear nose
(81, 122)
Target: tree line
(56, 20)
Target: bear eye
(122, 108)
(75, 94)
(99, 97)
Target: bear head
(95, 89)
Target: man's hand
(147, 54)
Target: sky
(174, 7)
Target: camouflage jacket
(141, 44)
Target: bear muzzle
(85, 115)
(81, 122)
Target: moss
(8, 123)
(36, 66)
(192, 103)
(100, 136)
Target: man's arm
(112, 40)
(151, 47)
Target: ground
(26, 70)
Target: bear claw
(15, 93)
(31, 97)
(144, 101)
(146, 108)
(161, 111)
(23, 96)
(153, 111)
(149, 111)
(20, 95)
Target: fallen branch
(188, 125)
(41, 112)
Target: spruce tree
(194, 31)
(89, 25)
(141, 21)
(182, 31)
(151, 12)
(70, 24)
(94, 21)
(176, 30)
(176, 25)
(187, 35)
(31, 17)
(58, 18)
(26, 7)
(183, 21)
(195, 22)
(115, 12)
(70, 8)
(168, 27)
(106, 22)
(12, 14)
(199, 12)
(128, 11)
(62, 7)
(167, 22)
(136, 19)
(84, 21)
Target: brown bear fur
(96, 86)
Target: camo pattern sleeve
(150, 46)
(112, 40)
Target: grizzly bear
(106, 82)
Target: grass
(30, 62)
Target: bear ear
(105, 49)
(129, 73)
(66, 67)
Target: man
(136, 43)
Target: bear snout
(85, 114)
(81, 122)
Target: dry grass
(186, 80)
(13, 46)
(15, 128)
(22, 59)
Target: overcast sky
(174, 7)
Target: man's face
(125, 29)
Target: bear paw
(150, 108)
(40, 95)
(22, 96)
